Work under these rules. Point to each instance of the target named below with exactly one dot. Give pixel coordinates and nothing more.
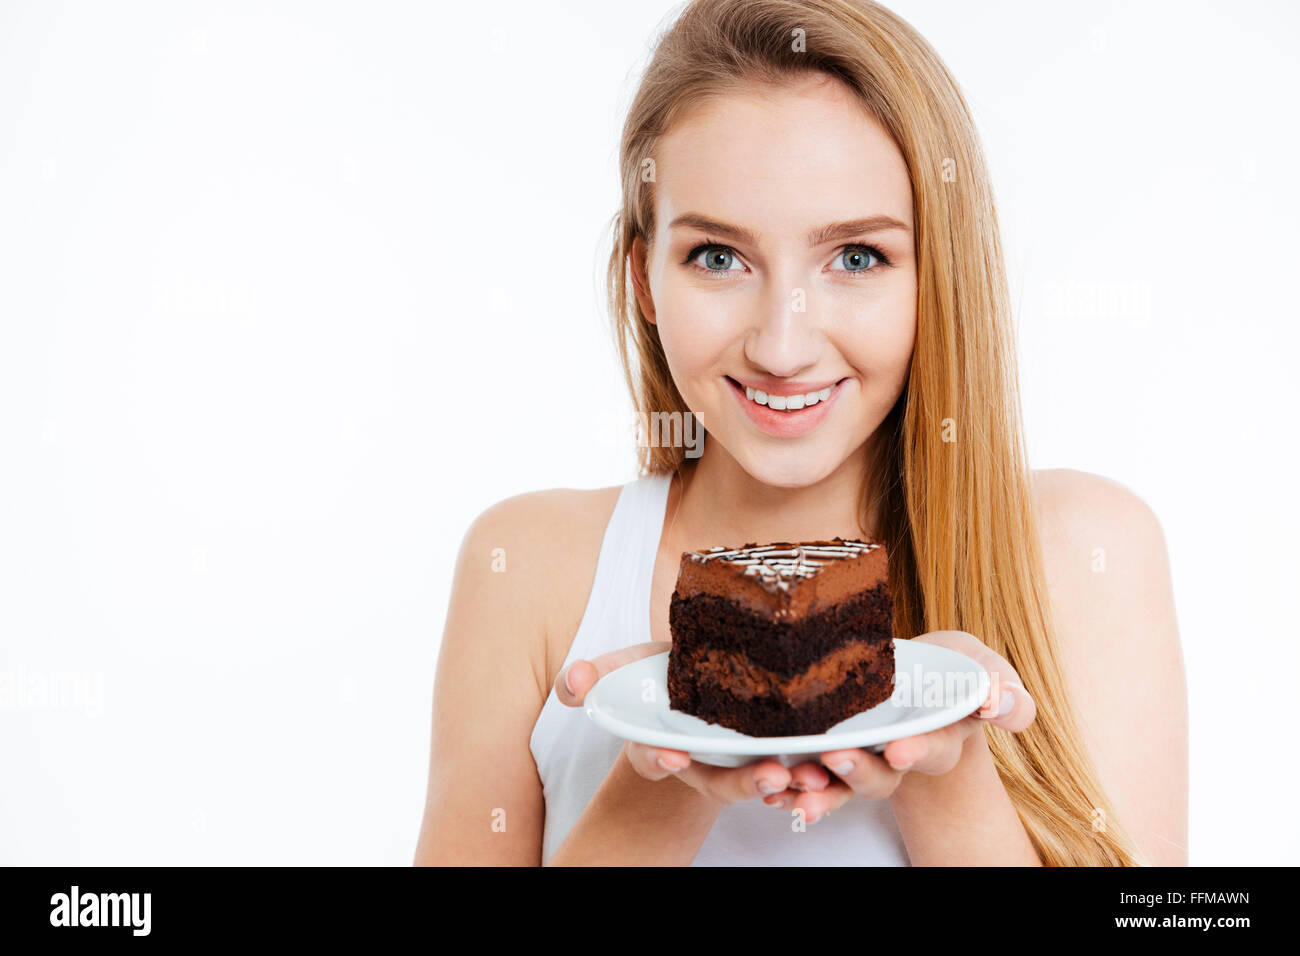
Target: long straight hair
(949, 471)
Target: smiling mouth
(785, 403)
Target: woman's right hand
(725, 785)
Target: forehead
(781, 158)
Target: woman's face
(781, 274)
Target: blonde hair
(956, 516)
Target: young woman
(806, 210)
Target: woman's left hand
(876, 776)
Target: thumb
(579, 676)
(1013, 709)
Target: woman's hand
(722, 784)
(876, 776)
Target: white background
(290, 292)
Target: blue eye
(716, 258)
(856, 258)
(719, 259)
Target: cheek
(897, 343)
(695, 334)
(883, 337)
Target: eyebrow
(827, 233)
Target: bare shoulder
(518, 574)
(540, 549)
(1069, 502)
(1108, 576)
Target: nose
(783, 338)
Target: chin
(787, 469)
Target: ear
(640, 284)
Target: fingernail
(766, 786)
(901, 767)
(667, 766)
(843, 768)
(1007, 702)
(567, 685)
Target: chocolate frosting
(784, 579)
(738, 675)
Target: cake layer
(783, 639)
(783, 646)
(770, 715)
(784, 580)
(735, 673)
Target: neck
(719, 503)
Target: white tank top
(574, 756)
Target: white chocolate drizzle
(777, 567)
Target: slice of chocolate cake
(782, 639)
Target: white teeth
(790, 403)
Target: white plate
(933, 687)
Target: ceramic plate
(933, 687)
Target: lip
(782, 387)
(787, 424)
